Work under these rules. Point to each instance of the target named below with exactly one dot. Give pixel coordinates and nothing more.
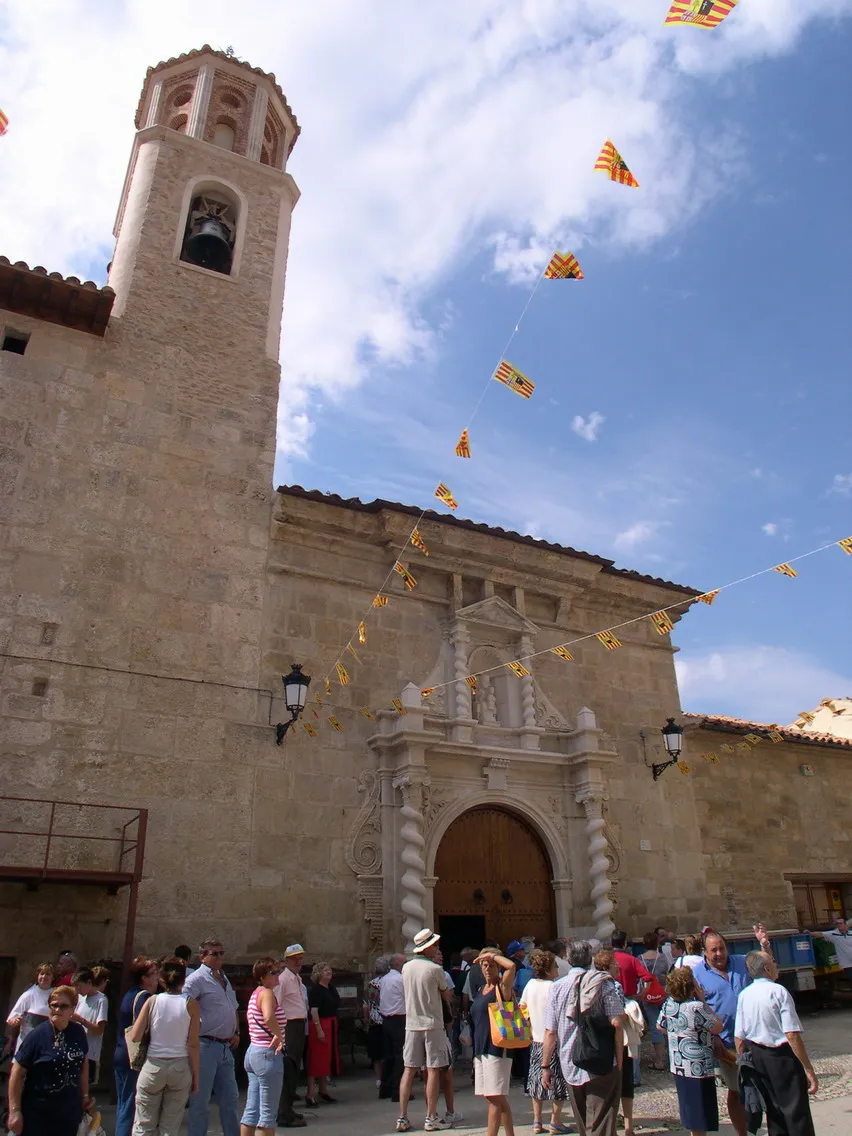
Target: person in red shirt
(634, 977)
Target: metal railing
(73, 853)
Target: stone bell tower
(203, 223)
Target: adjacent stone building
(156, 590)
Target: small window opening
(39, 687)
(48, 634)
(16, 342)
(224, 136)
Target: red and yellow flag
(342, 676)
(807, 715)
(743, 746)
(563, 653)
(699, 13)
(407, 578)
(335, 724)
(846, 544)
(662, 622)
(514, 379)
(609, 640)
(443, 494)
(612, 163)
(368, 714)
(362, 632)
(471, 682)
(709, 597)
(309, 730)
(683, 767)
(426, 691)
(776, 736)
(518, 668)
(463, 447)
(4, 122)
(726, 748)
(753, 739)
(563, 266)
(397, 705)
(380, 601)
(418, 542)
(786, 570)
(328, 686)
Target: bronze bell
(210, 245)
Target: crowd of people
(583, 1007)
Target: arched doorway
(493, 881)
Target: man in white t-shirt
(426, 1045)
(91, 1013)
(841, 939)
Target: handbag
(510, 1026)
(137, 1051)
(594, 1044)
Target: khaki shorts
(492, 1076)
(426, 1048)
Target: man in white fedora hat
(426, 1045)
(291, 999)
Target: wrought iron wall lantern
(295, 698)
(673, 739)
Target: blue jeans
(265, 1079)
(125, 1088)
(215, 1077)
(652, 1016)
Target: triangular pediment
(495, 612)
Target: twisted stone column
(462, 690)
(598, 865)
(527, 685)
(413, 845)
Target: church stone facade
(156, 590)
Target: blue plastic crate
(790, 951)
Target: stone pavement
(358, 1112)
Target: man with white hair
(392, 1009)
(768, 1026)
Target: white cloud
(770, 528)
(842, 484)
(759, 683)
(637, 534)
(588, 428)
(430, 132)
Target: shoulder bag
(137, 1051)
(510, 1025)
(594, 1044)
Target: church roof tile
(729, 725)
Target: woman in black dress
(323, 1054)
(492, 1065)
(49, 1083)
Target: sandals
(538, 1129)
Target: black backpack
(594, 1041)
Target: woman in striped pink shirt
(264, 1061)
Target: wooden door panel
(494, 852)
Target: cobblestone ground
(828, 1036)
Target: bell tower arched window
(211, 231)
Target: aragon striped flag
(368, 714)
(662, 622)
(418, 542)
(563, 653)
(4, 122)
(443, 493)
(709, 597)
(407, 578)
(609, 640)
(611, 162)
(426, 691)
(726, 748)
(309, 730)
(362, 632)
(563, 266)
(342, 676)
(471, 682)
(807, 716)
(328, 686)
(380, 601)
(683, 767)
(846, 544)
(776, 736)
(699, 13)
(514, 379)
(463, 447)
(335, 724)
(518, 668)
(786, 570)
(753, 739)
(398, 706)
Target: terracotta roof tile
(740, 726)
(50, 296)
(208, 50)
(378, 505)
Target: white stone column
(563, 896)
(530, 732)
(200, 102)
(256, 124)
(598, 864)
(461, 641)
(413, 846)
(154, 104)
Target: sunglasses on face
(60, 1006)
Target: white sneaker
(454, 1118)
(435, 1124)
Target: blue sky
(444, 154)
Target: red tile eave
(377, 506)
(728, 725)
(54, 298)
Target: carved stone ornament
(371, 894)
(495, 612)
(363, 849)
(547, 715)
(613, 851)
(435, 800)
